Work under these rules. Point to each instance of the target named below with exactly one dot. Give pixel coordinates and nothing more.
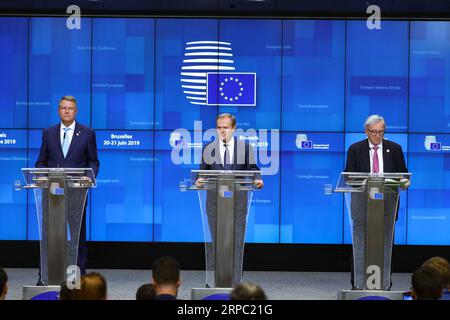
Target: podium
(225, 201)
(60, 196)
(372, 202)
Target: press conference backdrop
(138, 79)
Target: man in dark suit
(70, 145)
(373, 155)
(228, 153)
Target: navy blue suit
(82, 153)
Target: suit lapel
(234, 161)
(387, 158)
(366, 156)
(75, 139)
(56, 137)
(217, 155)
(240, 154)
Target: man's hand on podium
(404, 183)
(86, 181)
(258, 183)
(200, 183)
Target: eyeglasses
(375, 132)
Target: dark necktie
(226, 157)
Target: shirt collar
(230, 143)
(72, 126)
(380, 146)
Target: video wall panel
(300, 90)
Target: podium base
(28, 292)
(210, 293)
(358, 294)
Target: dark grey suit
(243, 159)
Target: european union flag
(435, 146)
(232, 89)
(307, 144)
(378, 196)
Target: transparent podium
(60, 196)
(372, 202)
(225, 200)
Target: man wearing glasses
(373, 155)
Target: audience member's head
(427, 284)
(3, 284)
(442, 266)
(65, 293)
(146, 292)
(166, 276)
(247, 291)
(93, 287)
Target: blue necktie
(65, 144)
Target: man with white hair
(373, 155)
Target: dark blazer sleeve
(251, 163)
(42, 161)
(91, 154)
(203, 164)
(250, 159)
(399, 160)
(351, 165)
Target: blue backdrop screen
(13, 204)
(176, 41)
(310, 212)
(428, 214)
(300, 89)
(122, 210)
(13, 75)
(430, 55)
(59, 64)
(312, 76)
(377, 77)
(123, 73)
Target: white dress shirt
(230, 146)
(69, 132)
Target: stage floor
(122, 284)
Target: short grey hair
(68, 98)
(227, 115)
(373, 119)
